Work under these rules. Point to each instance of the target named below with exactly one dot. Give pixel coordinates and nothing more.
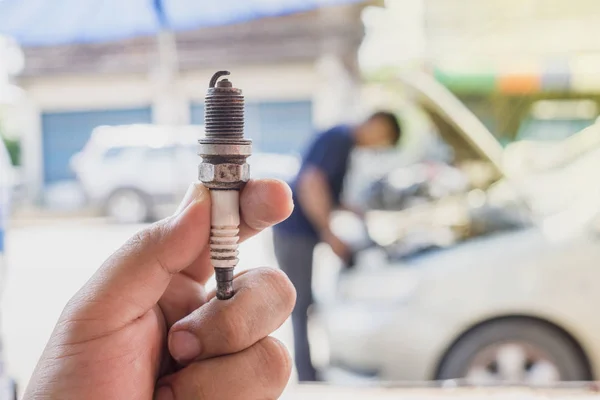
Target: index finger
(263, 203)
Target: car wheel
(128, 206)
(516, 351)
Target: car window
(113, 152)
(160, 153)
(187, 154)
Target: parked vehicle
(512, 303)
(137, 173)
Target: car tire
(128, 206)
(567, 358)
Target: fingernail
(194, 192)
(184, 346)
(164, 393)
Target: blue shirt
(329, 152)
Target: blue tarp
(51, 22)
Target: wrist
(325, 234)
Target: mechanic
(316, 193)
(143, 327)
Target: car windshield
(152, 154)
(551, 130)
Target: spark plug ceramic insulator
(224, 171)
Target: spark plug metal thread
(224, 171)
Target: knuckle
(148, 242)
(135, 245)
(148, 237)
(234, 331)
(280, 285)
(142, 238)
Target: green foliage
(12, 145)
(14, 150)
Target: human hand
(339, 248)
(144, 327)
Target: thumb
(134, 278)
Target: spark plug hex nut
(221, 176)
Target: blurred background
(478, 257)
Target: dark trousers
(295, 257)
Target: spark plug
(224, 171)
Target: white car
(509, 306)
(139, 172)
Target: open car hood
(458, 126)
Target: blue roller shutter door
(274, 127)
(65, 133)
